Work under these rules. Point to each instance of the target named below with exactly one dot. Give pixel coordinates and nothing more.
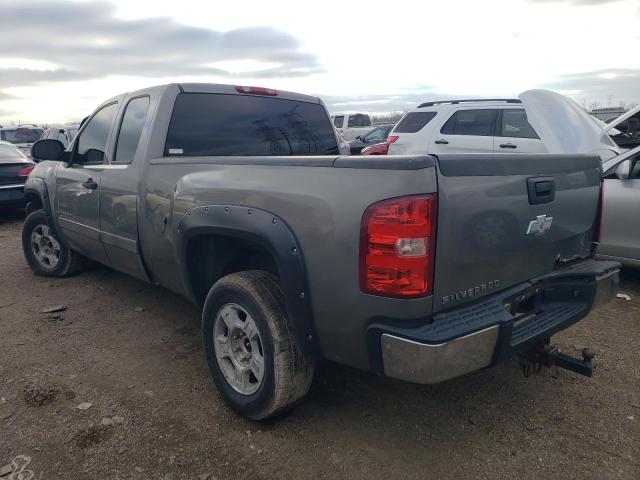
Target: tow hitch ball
(549, 355)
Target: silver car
(620, 234)
(567, 128)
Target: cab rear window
(413, 122)
(247, 125)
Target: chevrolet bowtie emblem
(540, 225)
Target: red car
(377, 149)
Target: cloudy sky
(59, 59)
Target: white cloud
(373, 55)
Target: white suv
(465, 126)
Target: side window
(92, 142)
(131, 129)
(477, 122)
(376, 135)
(515, 124)
(359, 120)
(337, 121)
(414, 121)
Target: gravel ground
(132, 351)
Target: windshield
(21, 135)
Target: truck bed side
(321, 199)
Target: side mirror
(623, 171)
(48, 149)
(359, 138)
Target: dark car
(376, 135)
(14, 170)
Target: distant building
(607, 113)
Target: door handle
(442, 141)
(541, 190)
(90, 184)
(508, 145)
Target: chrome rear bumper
(421, 363)
(474, 337)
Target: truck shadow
(353, 407)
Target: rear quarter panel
(322, 204)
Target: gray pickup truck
(420, 268)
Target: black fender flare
(38, 187)
(272, 233)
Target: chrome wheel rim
(238, 348)
(45, 247)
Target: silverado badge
(540, 225)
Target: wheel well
(34, 202)
(211, 257)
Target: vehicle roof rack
(468, 100)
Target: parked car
(625, 130)
(22, 136)
(568, 129)
(376, 135)
(14, 170)
(377, 149)
(620, 236)
(464, 126)
(350, 125)
(500, 126)
(65, 134)
(416, 267)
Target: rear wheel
(250, 346)
(43, 250)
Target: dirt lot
(133, 352)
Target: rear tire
(43, 250)
(245, 325)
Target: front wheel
(43, 250)
(251, 349)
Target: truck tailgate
(505, 219)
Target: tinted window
(93, 140)
(131, 129)
(337, 121)
(515, 124)
(21, 135)
(377, 135)
(359, 120)
(479, 122)
(414, 121)
(216, 124)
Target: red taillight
(24, 172)
(257, 90)
(397, 246)
(392, 138)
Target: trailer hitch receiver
(549, 356)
